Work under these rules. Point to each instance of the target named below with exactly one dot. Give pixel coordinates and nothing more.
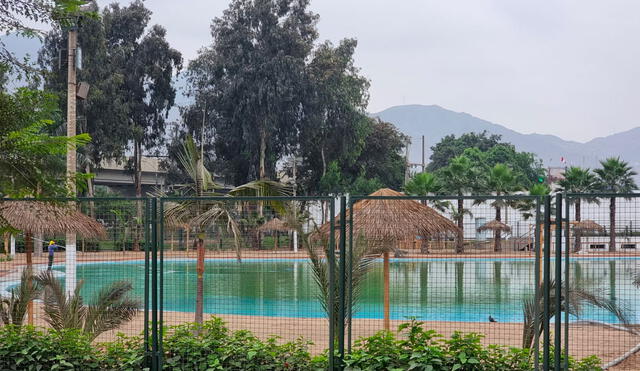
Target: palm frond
(61, 311)
(111, 308)
(14, 308)
(573, 303)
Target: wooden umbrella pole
(28, 248)
(387, 321)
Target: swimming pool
(466, 290)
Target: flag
(563, 160)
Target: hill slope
(436, 122)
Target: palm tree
(423, 184)
(362, 262)
(574, 303)
(501, 181)
(14, 308)
(202, 213)
(111, 307)
(459, 177)
(615, 176)
(578, 180)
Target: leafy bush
(420, 349)
(211, 346)
(26, 348)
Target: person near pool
(52, 247)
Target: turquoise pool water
(429, 289)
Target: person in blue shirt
(52, 247)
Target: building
(117, 177)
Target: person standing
(52, 247)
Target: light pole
(70, 242)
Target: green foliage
(251, 82)
(125, 353)
(26, 348)
(111, 307)
(129, 65)
(31, 159)
(485, 152)
(450, 147)
(615, 176)
(423, 184)
(578, 180)
(17, 17)
(14, 307)
(210, 346)
(420, 349)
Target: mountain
(435, 122)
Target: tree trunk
(387, 321)
(90, 192)
(324, 161)
(138, 184)
(263, 154)
(578, 245)
(498, 235)
(200, 279)
(460, 239)
(612, 224)
(28, 248)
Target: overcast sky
(563, 67)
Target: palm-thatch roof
(495, 225)
(49, 218)
(395, 219)
(588, 225)
(275, 225)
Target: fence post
(155, 365)
(147, 245)
(557, 336)
(567, 262)
(160, 243)
(350, 275)
(342, 278)
(546, 285)
(537, 278)
(331, 253)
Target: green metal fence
(539, 272)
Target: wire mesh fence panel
(464, 265)
(247, 262)
(603, 241)
(100, 267)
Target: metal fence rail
(555, 274)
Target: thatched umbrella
(588, 225)
(275, 225)
(383, 222)
(495, 226)
(37, 217)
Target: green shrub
(211, 346)
(419, 349)
(26, 348)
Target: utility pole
(70, 255)
(423, 167)
(295, 206)
(407, 172)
